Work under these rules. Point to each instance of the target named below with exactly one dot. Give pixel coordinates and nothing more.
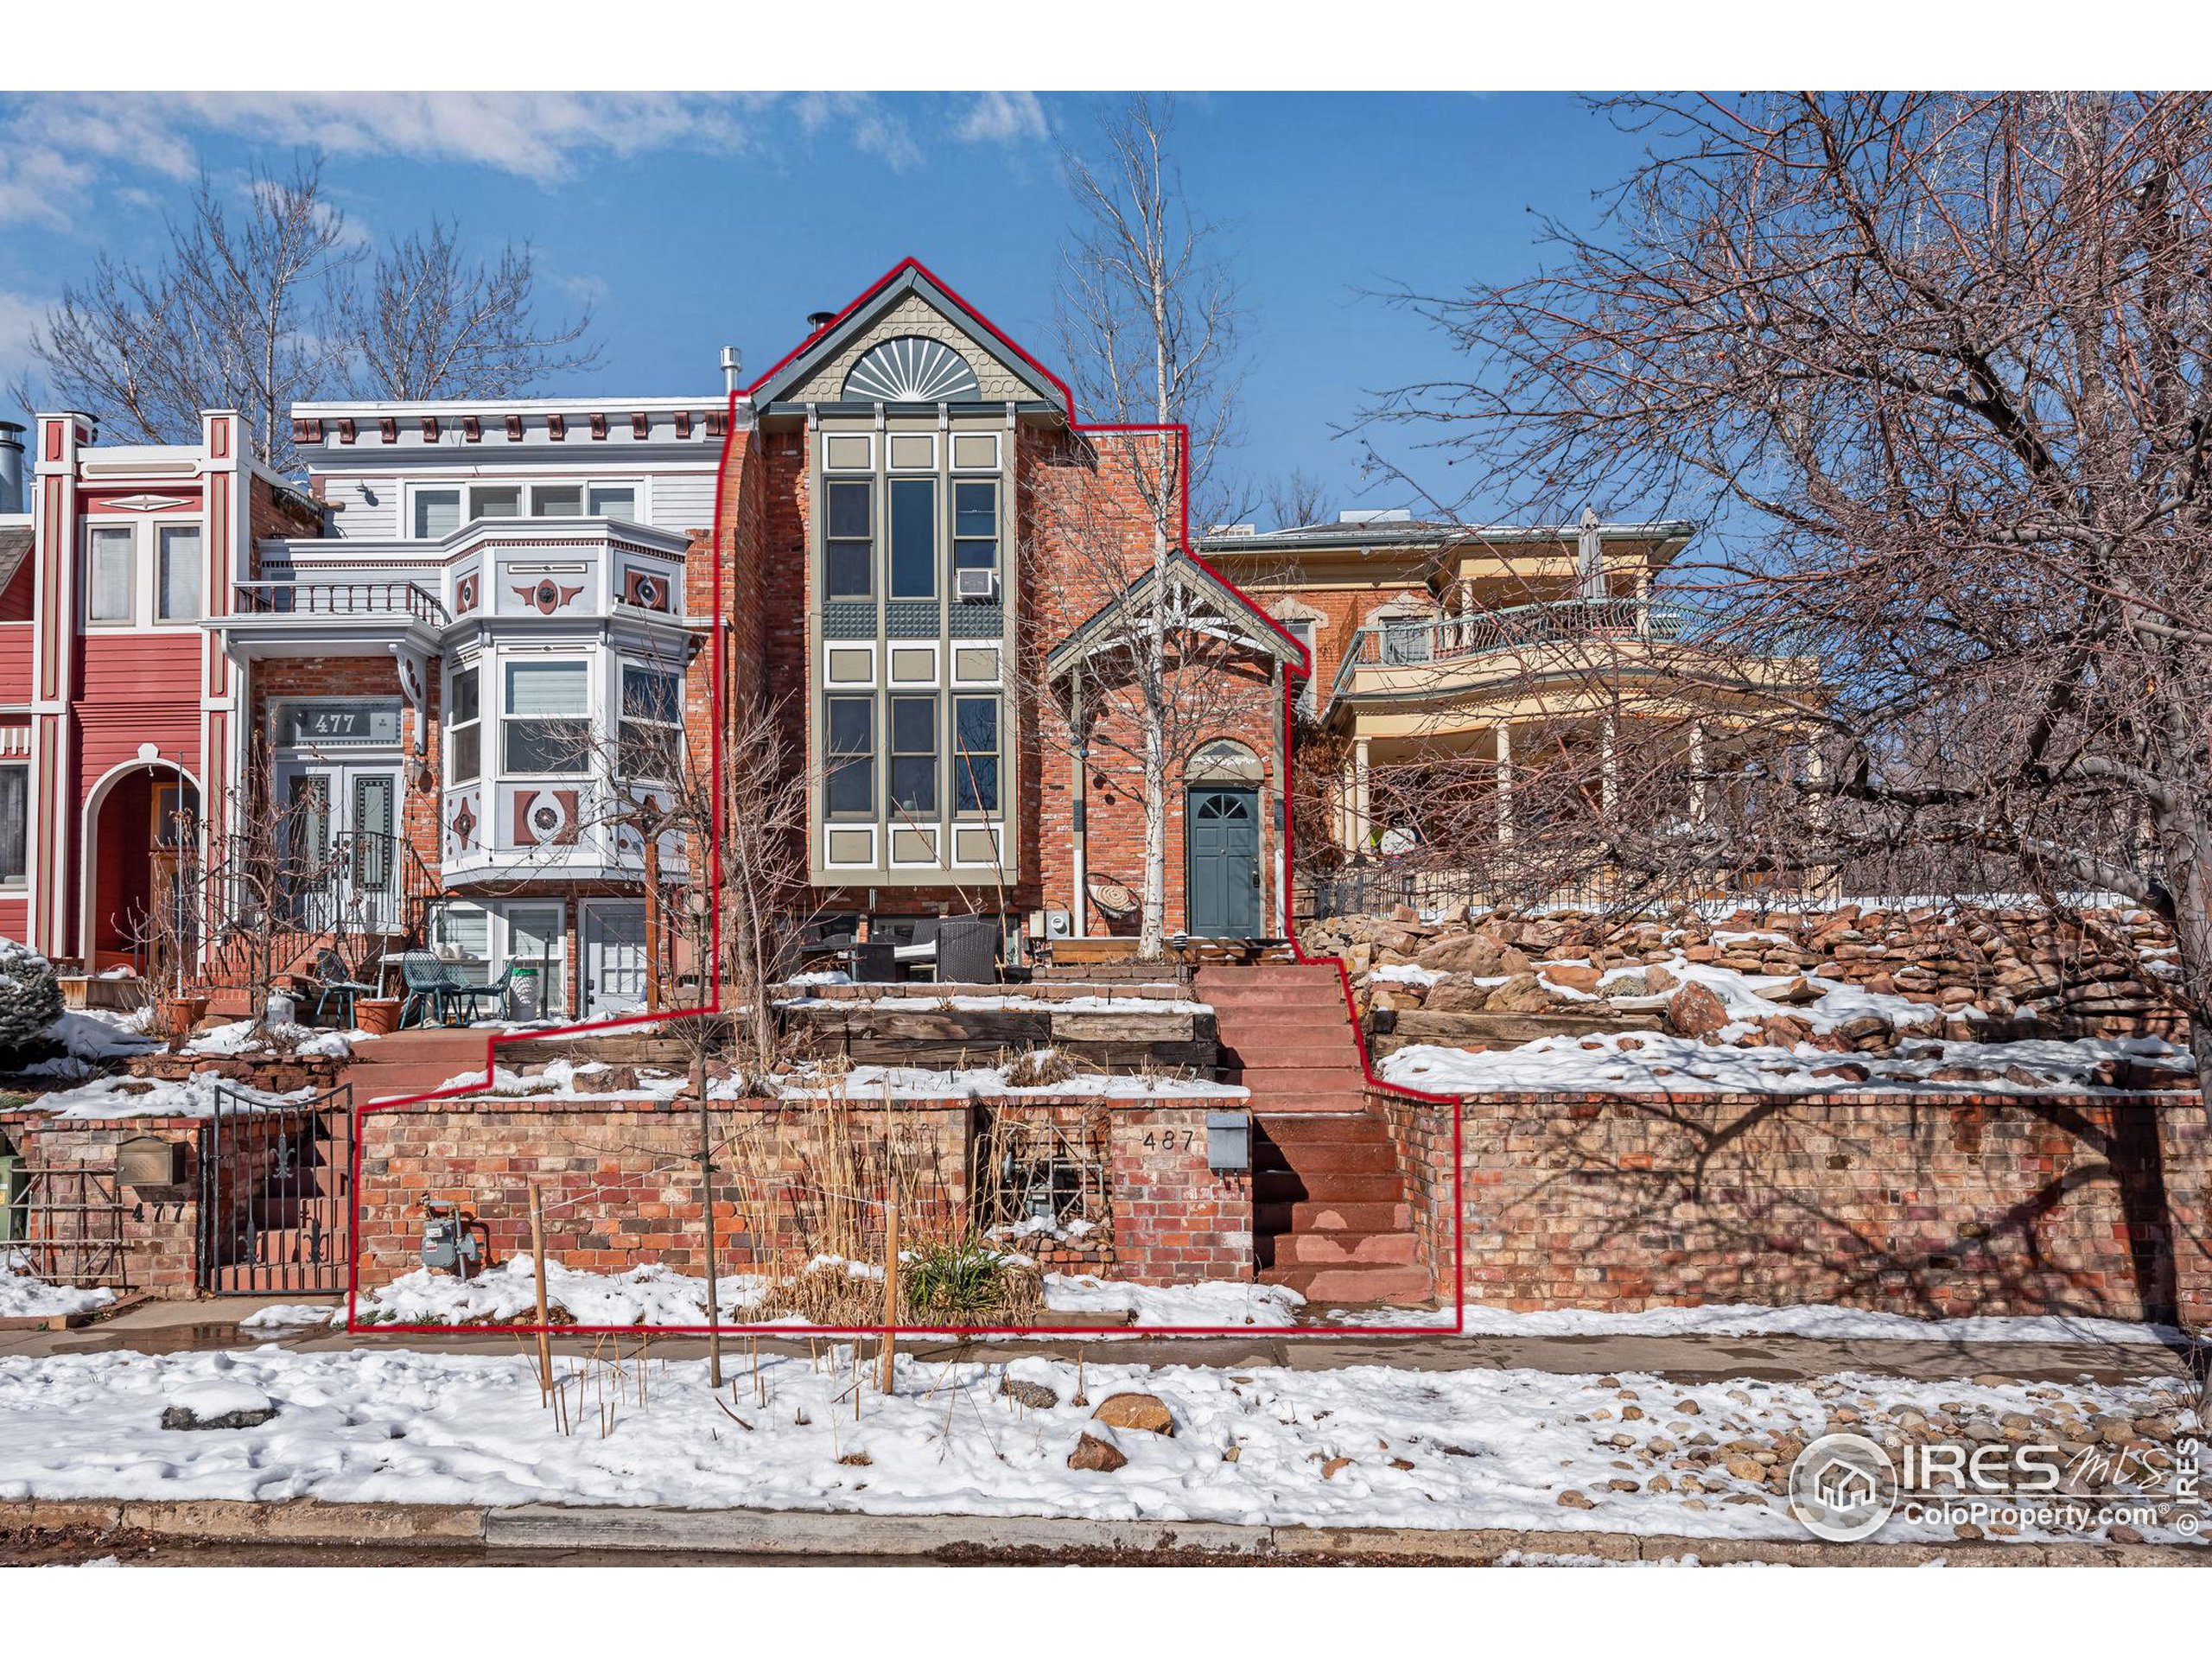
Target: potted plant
(379, 1016)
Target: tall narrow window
(549, 718)
(177, 594)
(913, 757)
(851, 540)
(975, 524)
(115, 577)
(975, 754)
(652, 722)
(464, 731)
(913, 538)
(851, 786)
(437, 513)
(14, 824)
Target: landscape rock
(1097, 1456)
(1146, 1412)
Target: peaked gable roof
(907, 301)
(1197, 598)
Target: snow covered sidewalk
(1361, 1446)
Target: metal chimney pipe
(11, 467)
(733, 368)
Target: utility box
(1228, 1142)
(149, 1160)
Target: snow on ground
(293, 1316)
(865, 1082)
(193, 1097)
(1012, 1001)
(24, 1296)
(1824, 1321)
(1658, 1062)
(1365, 1445)
(241, 1038)
(655, 1295)
(99, 1035)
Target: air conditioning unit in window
(975, 584)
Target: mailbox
(148, 1161)
(1228, 1142)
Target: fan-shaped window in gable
(912, 369)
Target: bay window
(652, 725)
(548, 724)
(464, 730)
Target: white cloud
(1004, 119)
(19, 314)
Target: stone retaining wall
(1933, 1206)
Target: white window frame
(645, 666)
(19, 883)
(527, 486)
(451, 729)
(144, 537)
(592, 765)
(162, 533)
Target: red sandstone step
(1286, 1081)
(1311, 1158)
(1329, 1216)
(1242, 999)
(1286, 1128)
(1324, 1187)
(1287, 1096)
(1344, 1249)
(1403, 1286)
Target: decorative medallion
(545, 595)
(645, 589)
(912, 369)
(464, 594)
(464, 823)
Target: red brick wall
(621, 1188)
(160, 1230)
(1935, 1206)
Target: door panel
(614, 959)
(1221, 828)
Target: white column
(1504, 784)
(1609, 768)
(1697, 771)
(1361, 803)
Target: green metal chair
(334, 983)
(430, 988)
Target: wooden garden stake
(537, 1263)
(890, 1291)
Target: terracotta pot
(179, 1014)
(378, 1015)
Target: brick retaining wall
(1931, 1206)
(160, 1231)
(621, 1189)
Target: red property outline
(717, 695)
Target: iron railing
(339, 598)
(275, 1194)
(1451, 639)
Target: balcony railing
(1452, 638)
(338, 599)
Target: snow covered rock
(30, 997)
(1097, 1456)
(218, 1404)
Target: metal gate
(276, 1194)
(68, 1221)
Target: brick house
(430, 650)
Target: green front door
(1221, 828)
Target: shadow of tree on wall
(2052, 1205)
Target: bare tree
(1299, 498)
(1148, 314)
(1934, 366)
(235, 315)
(428, 322)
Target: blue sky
(690, 221)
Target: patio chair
(967, 950)
(334, 983)
(430, 987)
(465, 994)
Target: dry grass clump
(1039, 1068)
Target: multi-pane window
(113, 561)
(913, 757)
(652, 723)
(439, 513)
(14, 824)
(849, 517)
(495, 501)
(558, 500)
(851, 785)
(464, 729)
(548, 725)
(614, 501)
(176, 593)
(975, 524)
(913, 538)
(975, 754)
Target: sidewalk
(167, 1327)
(471, 1535)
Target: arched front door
(1222, 833)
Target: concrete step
(1400, 1286)
(1328, 1216)
(1343, 1250)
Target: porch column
(1360, 804)
(1609, 789)
(1643, 603)
(1697, 771)
(1079, 838)
(1504, 784)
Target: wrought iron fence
(275, 1194)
